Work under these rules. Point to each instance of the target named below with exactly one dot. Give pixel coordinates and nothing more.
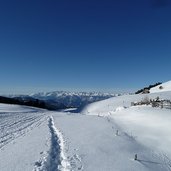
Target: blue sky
(83, 45)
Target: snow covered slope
(92, 144)
(116, 103)
(145, 125)
(161, 88)
(107, 135)
(149, 126)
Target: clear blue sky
(83, 44)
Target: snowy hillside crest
(161, 88)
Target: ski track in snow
(15, 125)
(55, 159)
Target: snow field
(21, 152)
(30, 141)
(105, 136)
(93, 140)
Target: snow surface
(105, 136)
(113, 104)
(93, 145)
(147, 126)
(166, 87)
(30, 135)
(150, 126)
(17, 108)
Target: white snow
(150, 126)
(29, 140)
(147, 126)
(165, 87)
(120, 108)
(17, 108)
(105, 136)
(109, 105)
(22, 141)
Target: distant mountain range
(57, 100)
(63, 99)
(72, 99)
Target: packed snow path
(55, 159)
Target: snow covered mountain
(72, 99)
(161, 88)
